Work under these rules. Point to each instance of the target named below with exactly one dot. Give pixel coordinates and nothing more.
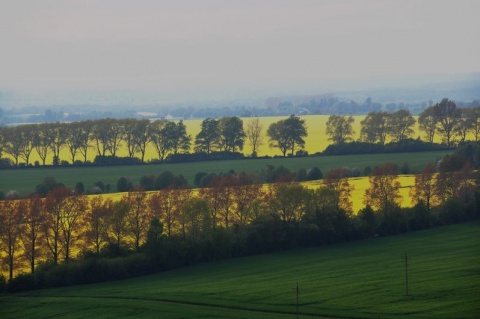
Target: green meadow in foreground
(363, 279)
(25, 180)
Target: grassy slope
(25, 180)
(361, 280)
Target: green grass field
(25, 180)
(363, 279)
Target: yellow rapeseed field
(360, 184)
(316, 141)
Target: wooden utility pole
(297, 301)
(406, 274)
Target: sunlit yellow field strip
(360, 184)
(316, 141)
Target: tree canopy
(288, 134)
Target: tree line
(226, 135)
(451, 123)
(233, 216)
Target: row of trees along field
(233, 216)
(227, 135)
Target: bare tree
(254, 133)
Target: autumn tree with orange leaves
(384, 192)
(11, 219)
(337, 180)
(424, 189)
(117, 224)
(138, 217)
(71, 222)
(32, 237)
(166, 205)
(96, 223)
(212, 194)
(288, 201)
(54, 202)
(226, 186)
(195, 218)
(245, 191)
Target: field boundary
(199, 304)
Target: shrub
(79, 188)
(198, 178)
(147, 182)
(100, 185)
(5, 163)
(115, 160)
(301, 175)
(124, 184)
(22, 282)
(3, 284)
(314, 174)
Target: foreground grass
(25, 180)
(357, 280)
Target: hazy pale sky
(176, 46)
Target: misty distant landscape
(352, 97)
(240, 159)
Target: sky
(191, 46)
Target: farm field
(25, 180)
(360, 184)
(316, 141)
(363, 279)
